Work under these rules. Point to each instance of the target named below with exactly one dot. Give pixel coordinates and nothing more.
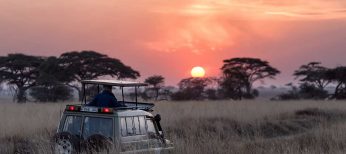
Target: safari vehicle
(129, 129)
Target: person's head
(107, 88)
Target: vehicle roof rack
(138, 105)
(115, 83)
(129, 106)
(134, 108)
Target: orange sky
(170, 37)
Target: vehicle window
(123, 127)
(73, 125)
(96, 125)
(133, 126)
(129, 126)
(142, 124)
(136, 125)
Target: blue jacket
(105, 99)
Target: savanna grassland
(203, 127)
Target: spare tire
(99, 143)
(65, 143)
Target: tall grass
(203, 127)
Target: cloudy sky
(169, 37)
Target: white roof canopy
(114, 83)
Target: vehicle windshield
(96, 125)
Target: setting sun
(197, 72)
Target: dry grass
(203, 127)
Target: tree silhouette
(54, 93)
(86, 65)
(338, 75)
(21, 71)
(191, 89)
(50, 82)
(246, 71)
(156, 82)
(310, 91)
(231, 87)
(314, 73)
(292, 94)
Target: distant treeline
(239, 75)
(53, 79)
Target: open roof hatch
(120, 84)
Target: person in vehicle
(105, 99)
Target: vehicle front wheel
(65, 143)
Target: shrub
(52, 93)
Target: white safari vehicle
(130, 129)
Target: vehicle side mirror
(157, 118)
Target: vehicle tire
(99, 143)
(65, 143)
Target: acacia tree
(315, 74)
(156, 82)
(338, 75)
(21, 71)
(86, 65)
(246, 71)
(50, 87)
(191, 88)
(231, 87)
